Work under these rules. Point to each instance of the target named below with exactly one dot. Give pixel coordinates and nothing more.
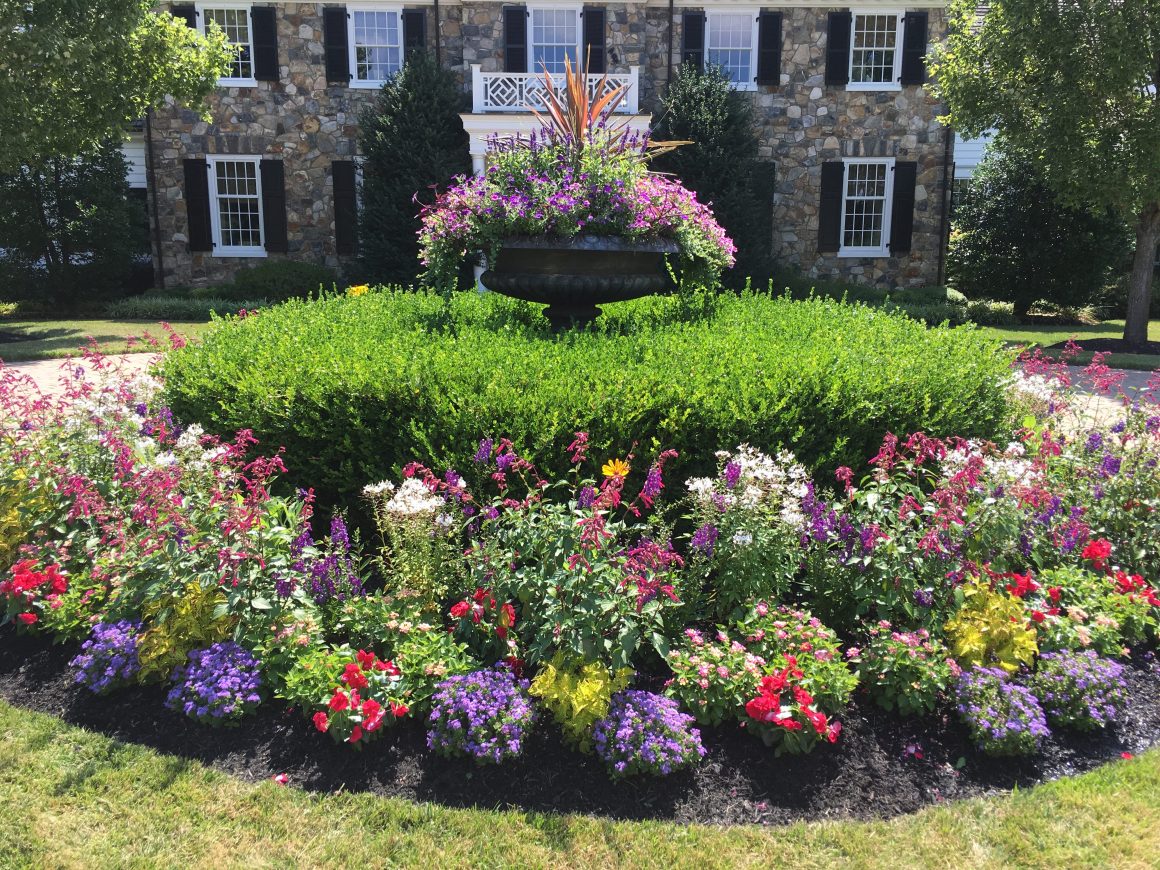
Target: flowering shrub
(713, 677)
(29, 591)
(748, 522)
(646, 733)
(786, 716)
(367, 698)
(1002, 716)
(108, 659)
(1079, 690)
(220, 684)
(485, 715)
(550, 185)
(904, 670)
(991, 628)
(789, 636)
(1075, 609)
(578, 694)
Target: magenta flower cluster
(485, 715)
(646, 733)
(218, 685)
(1002, 716)
(108, 659)
(1080, 689)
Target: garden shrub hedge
(175, 307)
(354, 387)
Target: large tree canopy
(73, 73)
(1071, 85)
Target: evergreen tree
(413, 141)
(721, 165)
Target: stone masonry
(308, 123)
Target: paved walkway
(47, 373)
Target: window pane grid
(554, 38)
(235, 24)
(239, 207)
(865, 205)
(874, 47)
(377, 46)
(730, 46)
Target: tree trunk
(1140, 285)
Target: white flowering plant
(419, 552)
(747, 525)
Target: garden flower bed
(752, 644)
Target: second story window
(376, 45)
(729, 42)
(234, 20)
(875, 50)
(554, 33)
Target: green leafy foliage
(905, 671)
(279, 280)
(175, 624)
(427, 656)
(355, 388)
(413, 140)
(156, 307)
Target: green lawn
(1045, 336)
(71, 798)
(53, 339)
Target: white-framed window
(375, 34)
(234, 20)
(876, 50)
(553, 34)
(867, 194)
(731, 44)
(235, 214)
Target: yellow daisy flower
(615, 468)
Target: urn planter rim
(588, 242)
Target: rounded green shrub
(355, 387)
(277, 280)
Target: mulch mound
(869, 774)
(1110, 345)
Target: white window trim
(227, 81)
(753, 12)
(895, 83)
(355, 81)
(215, 221)
(529, 30)
(887, 209)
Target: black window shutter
(830, 210)
(838, 48)
(345, 207)
(914, 36)
(414, 30)
(274, 205)
(189, 13)
(197, 205)
(902, 208)
(264, 32)
(594, 40)
(693, 39)
(335, 44)
(515, 39)
(769, 48)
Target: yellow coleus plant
(179, 623)
(18, 506)
(991, 628)
(578, 695)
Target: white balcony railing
(522, 92)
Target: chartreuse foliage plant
(354, 388)
(991, 629)
(578, 694)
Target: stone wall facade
(308, 123)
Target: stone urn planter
(574, 276)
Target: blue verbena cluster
(484, 715)
(1079, 689)
(217, 685)
(108, 659)
(646, 733)
(1004, 717)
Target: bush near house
(356, 387)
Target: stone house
(861, 165)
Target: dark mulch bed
(868, 774)
(1110, 345)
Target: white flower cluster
(1009, 468)
(1035, 389)
(779, 482)
(412, 498)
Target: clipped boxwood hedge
(354, 387)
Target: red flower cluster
(771, 707)
(1133, 585)
(366, 715)
(28, 585)
(1097, 552)
(481, 606)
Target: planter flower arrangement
(1000, 587)
(583, 176)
